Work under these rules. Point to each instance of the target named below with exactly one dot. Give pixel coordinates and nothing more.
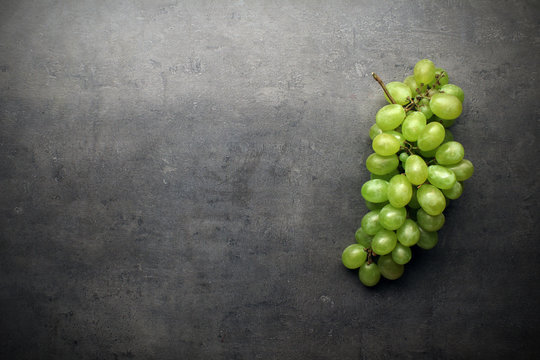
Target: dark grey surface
(178, 180)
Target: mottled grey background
(179, 178)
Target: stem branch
(376, 77)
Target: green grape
(385, 144)
(429, 222)
(384, 242)
(413, 204)
(370, 222)
(428, 239)
(399, 191)
(448, 136)
(441, 177)
(430, 199)
(447, 123)
(424, 71)
(399, 91)
(450, 153)
(362, 238)
(369, 274)
(423, 107)
(374, 130)
(386, 177)
(416, 170)
(428, 154)
(412, 126)
(445, 106)
(375, 206)
(442, 76)
(463, 169)
(408, 234)
(410, 81)
(454, 192)
(401, 254)
(453, 90)
(375, 190)
(380, 165)
(391, 218)
(431, 136)
(353, 256)
(400, 138)
(403, 157)
(389, 269)
(390, 117)
(432, 92)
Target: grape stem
(410, 106)
(376, 77)
(370, 254)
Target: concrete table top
(178, 180)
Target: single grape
(435, 118)
(428, 239)
(401, 254)
(463, 169)
(424, 71)
(447, 123)
(454, 192)
(363, 238)
(412, 126)
(442, 76)
(429, 222)
(385, 144)
(386, 177)
(369, 274)
(453, 90)
(403, 157)
(431, 137)
(413, 204)
(384, 242)
(441, 177)
(399, 91)
(375, 206)
(432, 92)
(423, 107)
(399, 191)
(410, 81)
(450, 153)
(390, 117)
(370, 222)
(445, 106)
(389, 269)
(399, 136)
(391, 218)
(416, 170)
(353, 256)
(408, 234)
(381, 165)
(374, 130)
(428, 154)
(448, 136)
(375, 190)
(430, 199)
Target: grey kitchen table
(178, 180)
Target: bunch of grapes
(416, 170)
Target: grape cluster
(416, 169)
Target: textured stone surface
(178, 180)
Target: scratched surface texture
(178, 180)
